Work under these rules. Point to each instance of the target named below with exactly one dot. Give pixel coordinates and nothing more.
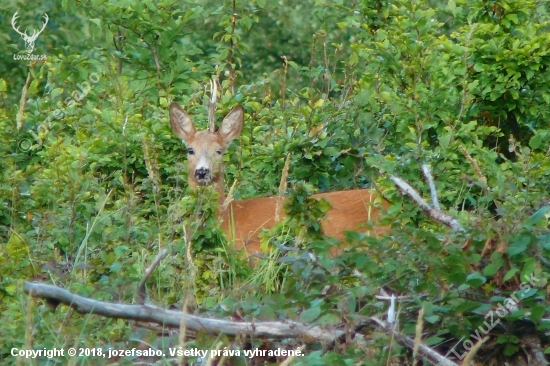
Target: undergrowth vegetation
(94, 183)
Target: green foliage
(94, 183)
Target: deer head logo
(29, 40)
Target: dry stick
(474, 165)
(479, 174)
(470, 356)
(28, 327)
(141, 292)
(211, 356)
(23, 102)
(418, 334)
(425, 351)
(230, 197)
(429, 178)
(433, 213)
(154, 51)
(173, 319)
(282, 188)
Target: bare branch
(433, 213)
(423, 350)
(429, 178)
(141, 292)
(174, 319)
(470, 356)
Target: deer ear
(181, 123)
(232, 124)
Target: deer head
(205, 148)
(29, 40)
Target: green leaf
(309, 315)
(544, 241)
(56, 92)
(536, 217)
(513, 18)
(536, 141)
(457, 277)
(510, 349)
(331, 151)
(479, 68)
(120, 250)
(519, 245)
(475, 279)
(445, 139)
(96, 21)
(433, 319)
(510, 274)
(116, 267)
(492, 268)
(537, 312)
(33, 88)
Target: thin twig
(230, 197)
(429, 178)
(141, 293)
(470, 356)
(425, 351)
(474, 165)
(282, 188)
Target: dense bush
(94, 182)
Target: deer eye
(190, 151)
(219, 151)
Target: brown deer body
(243, 220)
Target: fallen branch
(173, 319)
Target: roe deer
(349, 209)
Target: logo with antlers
(29, 40)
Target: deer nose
(201, 173)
